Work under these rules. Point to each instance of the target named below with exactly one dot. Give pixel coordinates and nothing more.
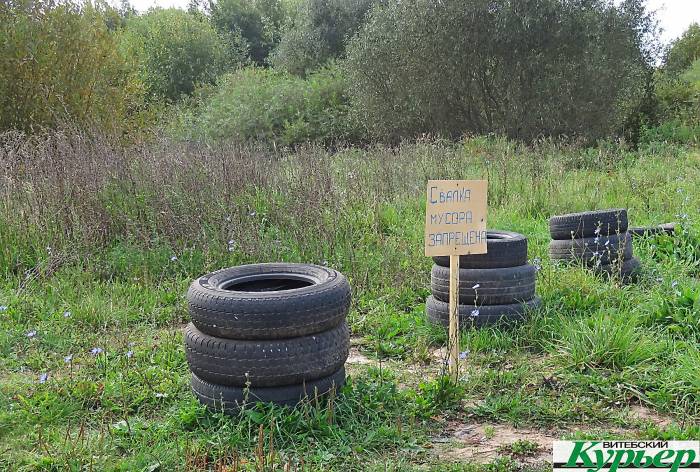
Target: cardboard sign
(455, 217)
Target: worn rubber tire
(271, 363)
(647, 231)
(438, 312)
(504, 249)
(585, 224)
(231, 399)
(494, 286)
(599, 250)
(275, 314)
(628, 271)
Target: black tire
(504, 249)
(231, 399)
(600, 250)
(629, 270)
(438, 312)
(588, 224)
(494, 286)
(271, 301)
(647, 231)
(266, 363)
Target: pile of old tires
(267, 333)
(495, 287)
(595, 239)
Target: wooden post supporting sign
(455, 225)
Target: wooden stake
(454, 317)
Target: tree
(683, 51)
(174, 51)
(524, 69)
(258, 22)
(59, 61)
(319, 32)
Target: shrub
(59, 62)
(525, 69)
(175, 51)
(264, 105)
(319, 32)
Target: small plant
(521, 447)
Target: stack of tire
(267, 333)
(495, 287)
(595, 239)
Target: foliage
(59, 62)
(257, 22)
(265, 105)
(524, 69)
(683, 51)
(319, 31)
(174, 51)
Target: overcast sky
(674, 15)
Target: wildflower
(43, 378)
(252, 213)
(66, 314)
(3, 308)
(597, 231)
(31, 334)
(476, 286)
(129, 354)
(463, 355)
(537, 262)
(674, 284)
(68, 359)
(228, 219)
(474, 313)
(96, 350)
(161, 395)
(597, 238)
(173, 258)
(131, 344)
(324, 262)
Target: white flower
(3, 308)
(476, 286)
(173, 258)
(463, 355)
(43, 378)
(674, 284)
(130, 354)
(161, 395)
(96, 350)
(474, 313)
(66, 314)
(252, 213)
(31, 334)
(597, 231)
(68, 358)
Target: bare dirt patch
(481, 443)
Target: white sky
(674, 15)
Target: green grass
(595, 349)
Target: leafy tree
(683, 51)
(258, 22)
(59, 61)
(524, 69)
(174, 51)
(319, 32)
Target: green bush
(174, 51)
(319, 32)
(264, 105)
(523, 69)
(59, 62)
